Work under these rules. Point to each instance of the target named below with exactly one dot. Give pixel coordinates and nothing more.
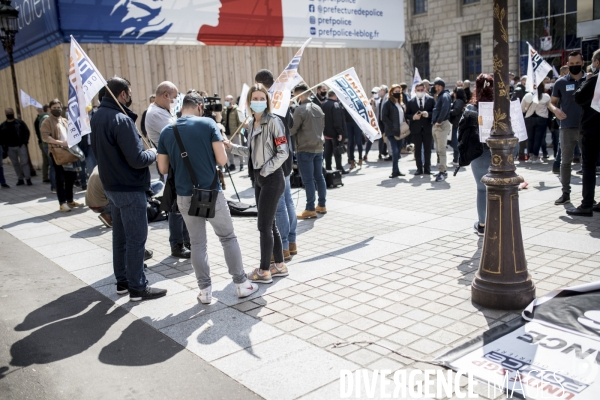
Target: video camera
(212, 104)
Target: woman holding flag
(267, 151)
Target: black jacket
(441, 111)
(422, 125)
(288, 122)
(122, 161)
(469, 145)
(334, 119)
(391, 119)
(590, 118)
(22, 137)
(519, 92)
(456, 111)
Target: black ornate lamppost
(8, 29)
(502, 280)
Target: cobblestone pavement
(391, 262)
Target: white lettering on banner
(30, 11)
(351, 95)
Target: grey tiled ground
(391, 262)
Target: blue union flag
(84, 82)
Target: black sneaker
(441, 177)
(5, 186)
(149, 293)
(29, 182)
(564, 199)
(419, 172)
(580, 172)
(148, 254)
(581, 212)
(556, 171)
(20, 182)
(480, 230)
(232, 167)
(180, 251)
(241, 167)
(122, 288)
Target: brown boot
(352, 164)
(307, 214)
(360, 163)
(286, 255)
(321, 210)
(293, 249)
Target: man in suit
(418, 115)
(335, 130)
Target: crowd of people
(113, 162)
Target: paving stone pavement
(391, 262)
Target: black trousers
(590, 148)
(267, 191)
(425, 141)
(330, 144)
(64, 182)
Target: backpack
(153, 210)
(469, 145)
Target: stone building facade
(454, 38)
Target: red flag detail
(280, 140)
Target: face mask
(128, 104)
(56, 113)
(227, 104)
(575, 69)
(512, 82)
(376, 96)
(396, 95)
(549, 86)
(258, 106)
(420, 94)
(10, 116)
(323, 94)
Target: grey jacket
(309, 122)
(267, 147)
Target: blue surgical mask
(258, 106)
(227, 104)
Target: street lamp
(502, 280)
(9, 27)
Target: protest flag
(416, 80)
(84, 82)
(282, 88)
(352, 96)
(537, 70)
(27, 100)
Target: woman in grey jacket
(267, 151)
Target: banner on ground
(84, 82)
(537, 70)
(553, 352)
(353, 97)
(416, 80)
(281, 91)
(486, 120)
(27, 100)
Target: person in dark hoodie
(123, 166)
(456, 112)
(590, 141)
(442, 128)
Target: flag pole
(239, 128)
(122, 109)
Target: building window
(471, 56)
(470, 1)
(419, 6)
(421, 58)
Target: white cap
(375, 89)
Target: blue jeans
(355, 137)
(285, 217)
(178, 232)
(479, 167)
(130, 231)
(395, 145)
(310, 166)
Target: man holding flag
(569, 115)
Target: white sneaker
(205, 296)
(537, 161)
(246, 289)
(64, 208)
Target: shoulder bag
(204, 201)
(63, 156)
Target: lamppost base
(502, 296)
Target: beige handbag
(404, 131)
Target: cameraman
(205, 149)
